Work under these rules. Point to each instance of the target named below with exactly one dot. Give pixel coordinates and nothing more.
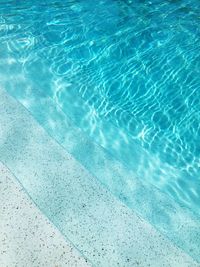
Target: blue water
(127, 73)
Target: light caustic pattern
(126, 72)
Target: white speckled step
(99, 225)
(174, 221)
(27, 238)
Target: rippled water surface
(126, 72)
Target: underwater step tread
(101, 227)
(27, 237)
(176, 222)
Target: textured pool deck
(101, 227)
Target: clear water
(127, 73)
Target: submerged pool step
(27, 237)
(68, 103)
(99, 225)
(177, 223)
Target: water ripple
(127, 72)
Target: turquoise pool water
(127, 73)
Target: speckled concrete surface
(176, 222)
(102, 228)
(27, 238)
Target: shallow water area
(126, 73)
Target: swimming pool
(124, 72)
